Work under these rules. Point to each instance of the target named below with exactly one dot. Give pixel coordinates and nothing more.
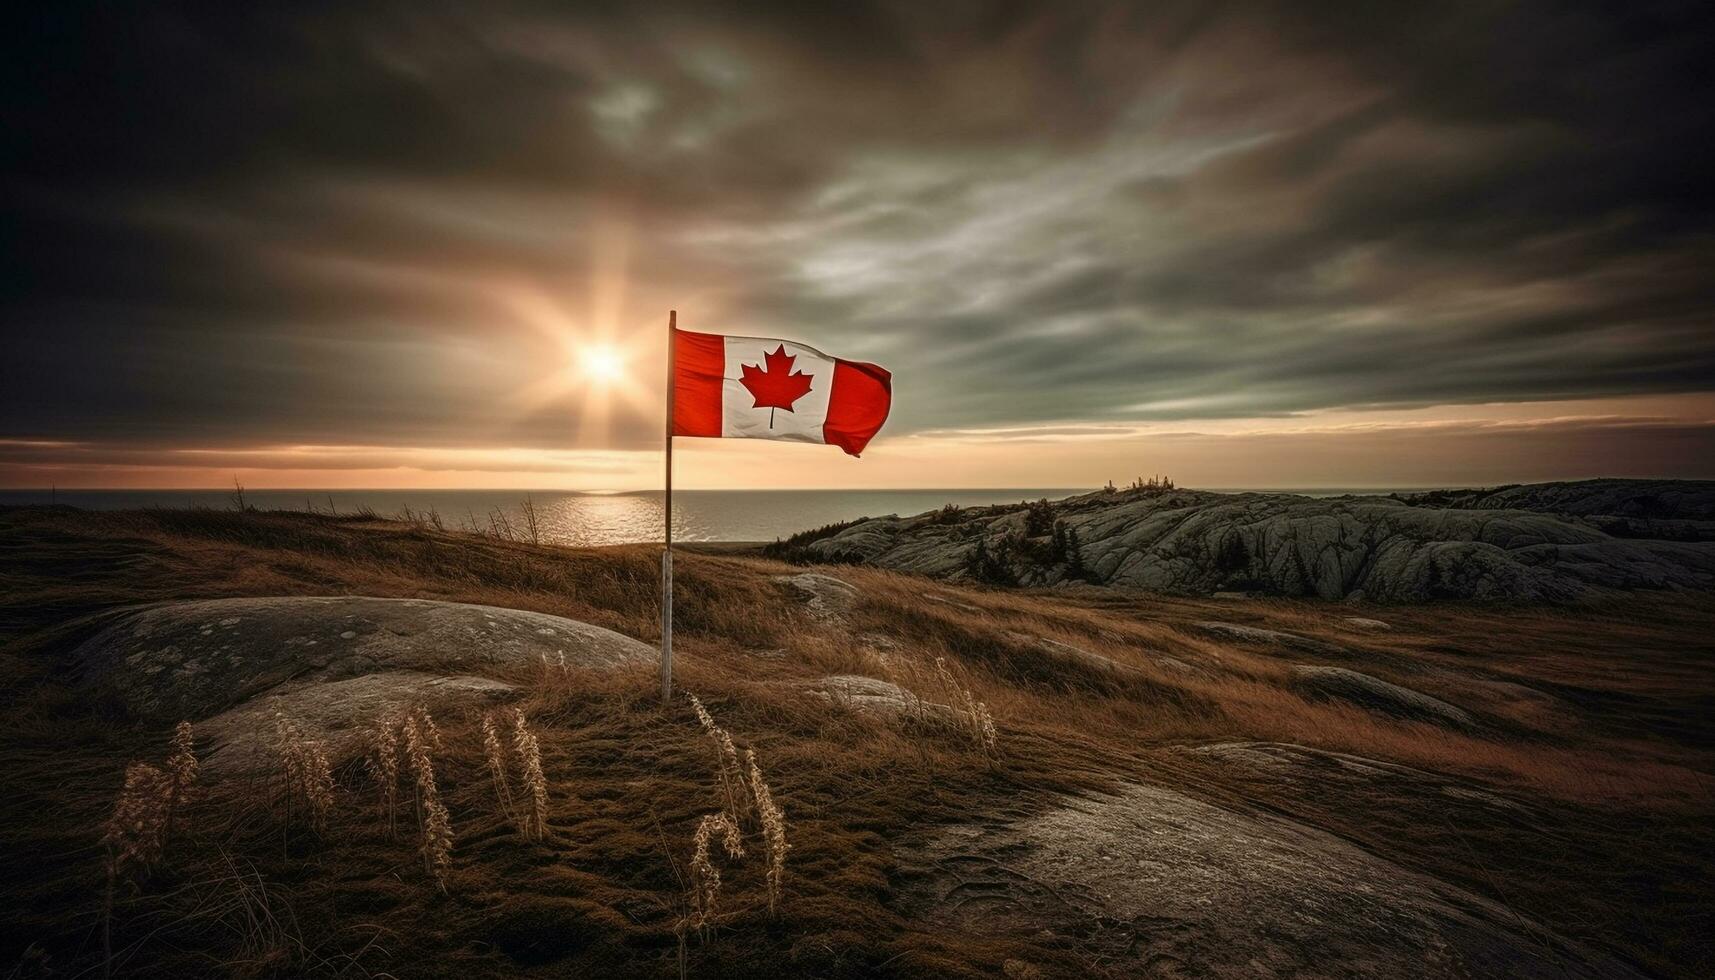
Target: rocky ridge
(1546, 542)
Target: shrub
(792, 548)
(1038, 518)
(1068, 551)
(182, 770)
(1154, 485)
(993, 566)
(1075, 567)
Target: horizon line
(925, 489)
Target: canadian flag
(757, 388)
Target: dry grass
(745, 796)
(529, 751)
(498, 769)
(306, 778)
(136, 833)
(972, 715)
(182, 761)
(705, 877)
(1609, 774)
(434, 823)
(735, 800)
(773, 821)
(383, 764)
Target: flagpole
(667, 508)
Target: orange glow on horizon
(1441, 446)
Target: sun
(601, 363)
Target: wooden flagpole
(667, 508)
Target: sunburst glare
(592, 341)
(602, 363)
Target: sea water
(589, 518)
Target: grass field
(1607, 776)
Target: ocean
(593, 518)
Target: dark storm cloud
(239, 225)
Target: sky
(1288, 244)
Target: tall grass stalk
(532, 520)
(383, 764)
(531, 815)
(135, 835)
(434, 823)
(529, 751)
(705, 877)
(134, 838)
(773, 820)
(973, 716)
(734, 798)
(495, 753)
(306, 778)
(182, 769)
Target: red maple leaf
(775, 385)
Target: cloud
(309, 225)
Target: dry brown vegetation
(1610, 777)
(306, 778)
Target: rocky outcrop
(1409, 548)
(1377, 694)
(871, 696)
(192, 660)
(1156, 883)
(827, 598)
(1683, 500)
(1662, 510)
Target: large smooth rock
(1155, 883)
(342, 715)
(191, 660)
